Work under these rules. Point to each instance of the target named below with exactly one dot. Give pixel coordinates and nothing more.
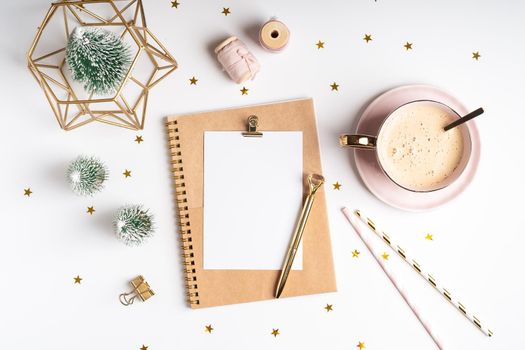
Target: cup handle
(358, 141)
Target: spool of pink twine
(237, 60)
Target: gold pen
(314, 182)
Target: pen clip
(314, 182)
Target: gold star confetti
(385, 256)
(139, 139)
(328, 307)
(367, 38)
(208, 329)
(429, 237)
(361, 345)
(127, 173)
(320, 44)
(244, 91)
(355, 253)
(90, 210)
(408, 46)
(77, 279)
(476, 55)
(337, 186)
(193, 81)
(176, 5)
(27, 192)
(144, 347)
(275, 332)
(226, 11)
(334, 86)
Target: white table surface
(478, 249)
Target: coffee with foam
(415, 151)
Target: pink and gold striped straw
(423, 273)
(358, 226)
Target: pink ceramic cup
(370, 142)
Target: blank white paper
(252, 198)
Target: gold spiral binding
(183, 216)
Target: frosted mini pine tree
(98, 58)
(87, 175)
(133, 224)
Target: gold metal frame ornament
(72, 106)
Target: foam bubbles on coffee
(415, 151)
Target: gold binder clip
(141, 289)
(253, 123)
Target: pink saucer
(378, 183)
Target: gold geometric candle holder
(71, 104)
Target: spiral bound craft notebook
(238, 199)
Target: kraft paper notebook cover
(207, 287)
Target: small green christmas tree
(133, 224)
(98, 58)
(87, 175)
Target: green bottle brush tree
(133, 224)
(87, 175)
(97, 58)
